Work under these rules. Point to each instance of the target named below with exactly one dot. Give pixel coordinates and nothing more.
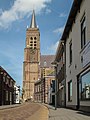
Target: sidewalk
(9, 106)
(66, 114)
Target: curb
(9, 106)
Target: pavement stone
(67, 114)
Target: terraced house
(76, 37)
(6, 88)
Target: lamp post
(55, 67)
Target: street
(27, 111)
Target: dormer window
(45, 63)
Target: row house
(60, 74)
(37, 91)
(50, 88)
(46, 69)
(44, 89)
(42, 86)
(76, 37)
(6, 88)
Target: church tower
(31, 59)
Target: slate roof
(33, 21)
(4, 71)
(46, 60)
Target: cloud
(20, 9)
(59, 30)
(48, 11)
(62, 15)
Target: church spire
(33, 21)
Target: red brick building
(6, 88)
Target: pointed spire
(33, 21)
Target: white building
(16, 94)
(76, 36)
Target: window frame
(69, 90)
(83, 32)
(70, 52)
(80, 85)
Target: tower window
(31, 44)
(34, 41)
(31, 41)
(35, 38)
(34, 44)
(31, 38)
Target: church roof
(33, 21)
(46, 60)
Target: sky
(15, 16)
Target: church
(32, 57)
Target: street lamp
(55, 67)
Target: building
(6, 88)
(38, 91)
(31, 59)
(43, 85)
(61, 86)
(16, 94)
(50, 88)
(46, 69)
(76, 36)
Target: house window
(6, 95)
(83, 32)
(85, 86)
(70, 52)
(10, 96)
(3, 78)
(70, 91)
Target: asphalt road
(27, 111)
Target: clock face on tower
(32, 55)
(32, 51)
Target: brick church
(31, 64)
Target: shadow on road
(84, 113)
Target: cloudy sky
(15, 16)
